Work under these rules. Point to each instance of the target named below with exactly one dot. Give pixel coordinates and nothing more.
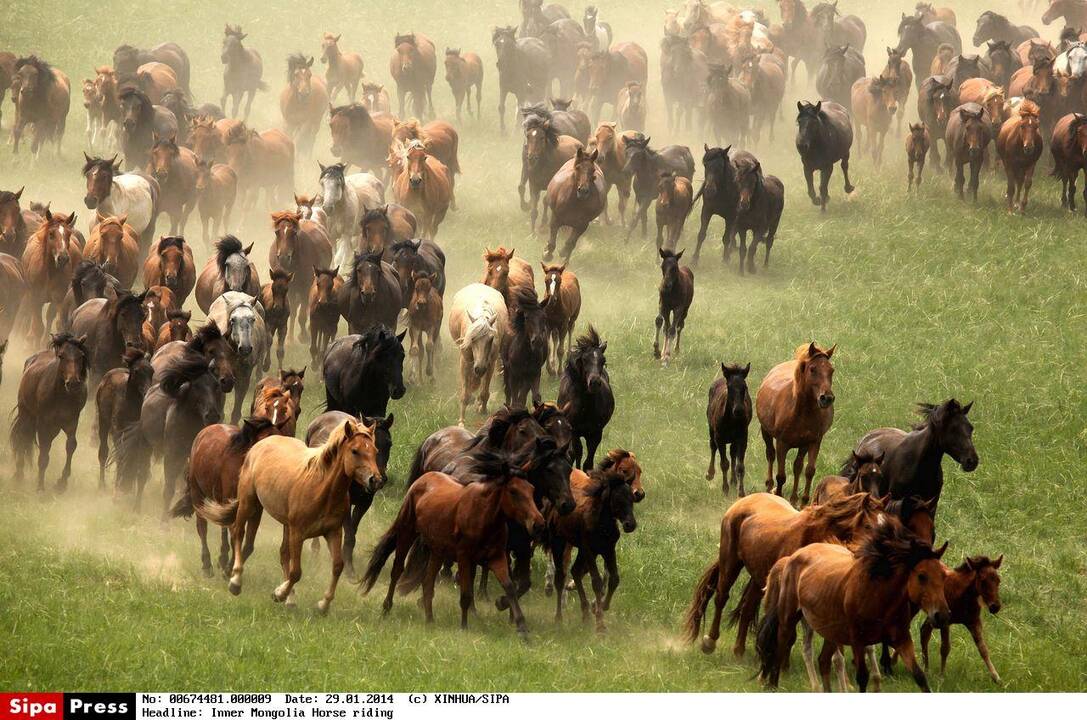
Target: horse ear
(747, 369)
(811, 348)
(310, 63)
(594, 155)
(942, 550)
(830, 353)
(722, 369)
(966, 408)
(86, 158)
(567, 408)
(248, 249)
(799, 106)
(660, 251)
(322, 167)
(680, 254)
(348, 429)
(400, 337)
(818, 105)
(1000, 559)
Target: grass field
(926, 298)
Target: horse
(88, 281)
(15, 223)
(216, 190)
(609, 70)
(262, 160)
(727, 104)
(372, 295)
(42, 95)
(413, 65)
(719, 193)
(229, 269)
(611, 148)
(318, 432)
(758, 210)
(929, 13)
(52, 393)
(303, 103)
(536, 17)
(142, 122)
(543, 153)
(989, 96)
(478, 324)
(897, 72)
(111, 193)
(523, 68)
(874, 106)
(562, 305)
(824, 137)
(918, 142)
(645, 166)
(175, 328)
(48, 262)
(853, 599)
(464, 71)
(208, 342)
(114, 245)
(345, 199)
(599, 33)
(1019, 145)
(796, 35)
(307, 490)
(159, 301)
(170, 264)
(1074, 12)
(13, 290)
(424, 186)
(842, 67)
(1068, 146)
(298, 246)
(93, 103)
(1001, 62)
(344, 68)
(438, 137)
(215, 463)
(935, 102)
(242, 71)
(969, 587)
(993, 26)
(118, 400)
(208, 136)
(912, 460)
(575, 197)
(683, 73)
(324, 311)
(924, 39)
(417, 256)
(176, 102)
(505, 273)
(963, 68)
(424, 318)
(756, 532)
(127, 60)
(524, 349)
(837, 29)
(1033, 50)
(764, 79)
(240, 320)
(156, 80)
(375, 98)
(360, 135)
(274, 298)
(795, 407)
(290, 384)
(361, 372)
(605, 503)
(674, 203)
(466, 523)
(728, 414)
(110, 326)
(174, 168)
(967, 137)
(676, 293)
(585, 395)
(563, 38)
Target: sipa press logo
(31, 706)
(67, 706)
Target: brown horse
(360, 136)
(48, 261)
(303, 103)
(262, 160)
(463, 523)
(114, 245)
(277, 309)
(1019, 145)
(505, 273)
(170, 264)
(463, 71)
(758, 530)
(853, 600)
(424, 318)
(242, 70)
(375, 98)
(897, 71)
(967, 139)
(385, 226)
(273, 400)
(52, 393)
(868, 477)
(16, 224)
(290, 381)
(562, 302)
(324, 312)
(874, 105)
(214, 464)
(543, 153)
(438, 137)
(12, 293)
(917, 146)
(674, 202)
(413, 66)
(675, 295)
(344, 68)
(216, 190)
(208, 137)
(1069, 149)
(630, 106)
(118, 401)
(42, 96)
(176, 328)
(795, 407)
(112, 325)
(575, 197)
(159, 301)
(305, 489)
(425, 186)
(610, 70)
(608, 142)
(298, 246)
(174, 167)
(969, 587)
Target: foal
(676, 294)
(728, 413)
(968, 587)
(917, 146)
(277, 309)
(424, 318)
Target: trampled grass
(926, 297)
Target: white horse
(240, 318)
(345, 200)
(116, 194)
(1072, 63)
(478, 323)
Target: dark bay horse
(585, 395)
(111, 326)
(141, 122)
(118, 400)
(761, 203)
(728, 414)
(362, 372)
(824, 137)
(675, 295)
(720, 195)
(645, 166)
(371, 296)
(935, 102)
(523, 68)
(242, 71)
(324, 311)
(923, 40)
(524, 348)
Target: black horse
(824, 136)
(720, 195)
(524, 348)
(761, 202)
(141, 122)
(585, 395)
(842, 66)
(421, 256)
(372, 296)
(646, 165)
(363, 371)
(728, 414)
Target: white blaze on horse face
(553, 284)
(275, 412)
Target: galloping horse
(242, 70)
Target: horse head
(99, 174)
(815, 374)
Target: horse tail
(417, 468)
(703, 591)
(414, 568)
(184, 506)
(218, 513)
(405, 522)
(697, 196)
(749, 595)
(22, 435)
(132, 455)
(767, 642)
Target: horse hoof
(207, 571)
(235, 588)
(502, 603)
(322, 606)
(708, 644)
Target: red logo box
(31, 706)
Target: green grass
(925, 297)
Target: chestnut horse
(425, 186)
(277, 309)
(324, 312)
(298, 246)
(795, 407)
(114, 245)
(305, 489)
(674, 203)
(438, 137)
(505, 273)
(413, 66)
(344, 68)
(170, 264)
(1069, 149)
(175, 328)
(424, 318)
(562, 300)
(463, 71)
(48, 261)
(575, 196)
(262, 160)
(303, 103)
(1019, 145)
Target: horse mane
(124, 299)
(975, 563)
(403, 245)
(165, 243)
(890, 547)
(130, 91)
(207, 333)
(93, 162)
(524, 302)
(186, 367)
(613, 458)
(84, 270)
(295, 61)
(379, 213)
(246, 436)
(415, 130)
(322, 457)
(45, 79)
(234, 30)
(841, 511)
(1028, 107)
(545, 411)
(285, 215)
(535, 121)
(589, 341)
(185, 315)
(355, 112)
(479, 325)
(227, 245)
(904, 508)
(802, 353)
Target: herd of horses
(853, 559)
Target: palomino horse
(52, 393)
(562, 296)
(118, 401)
(413, 65)
(728, 414)
(758, 530)
(424, 186)
(585, 395)
(305, 489)
(113, 194)
(795, 407)
(344, 68)
(42, 95)
(240, 319)
(229, 269)
(51, 255)
(242, 70)
(576, 196)
(478, 324)
(114, 245)
(303, 103)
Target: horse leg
(798, 465)
(241, 389)
(1010, 191)
(501, 110)
(224, 552)
(925, 635)
(434, 564)
(598, 593)
(657, 336)
(809, 177)
(553, 233)
(824, 185)
(737, 451)
(780, 451)
(45, 442)
(558, 567)
(592, 441)
(770, 456)
(238, 530)
(809, 660)
(250, 532)
(905, 653)
(571, 242)
(861, 665)
(612, 567)
(1028, 181)
(404, 542)
(500, 568)
(334, 540)
(713, 453)
(809, 470)
(284, 561)
(826, 658)
(750, 600)
(103, 451)
(979, 641)
(205, 553)
(960, 178)
(877, 677)
(838, 661)
(975, 177)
